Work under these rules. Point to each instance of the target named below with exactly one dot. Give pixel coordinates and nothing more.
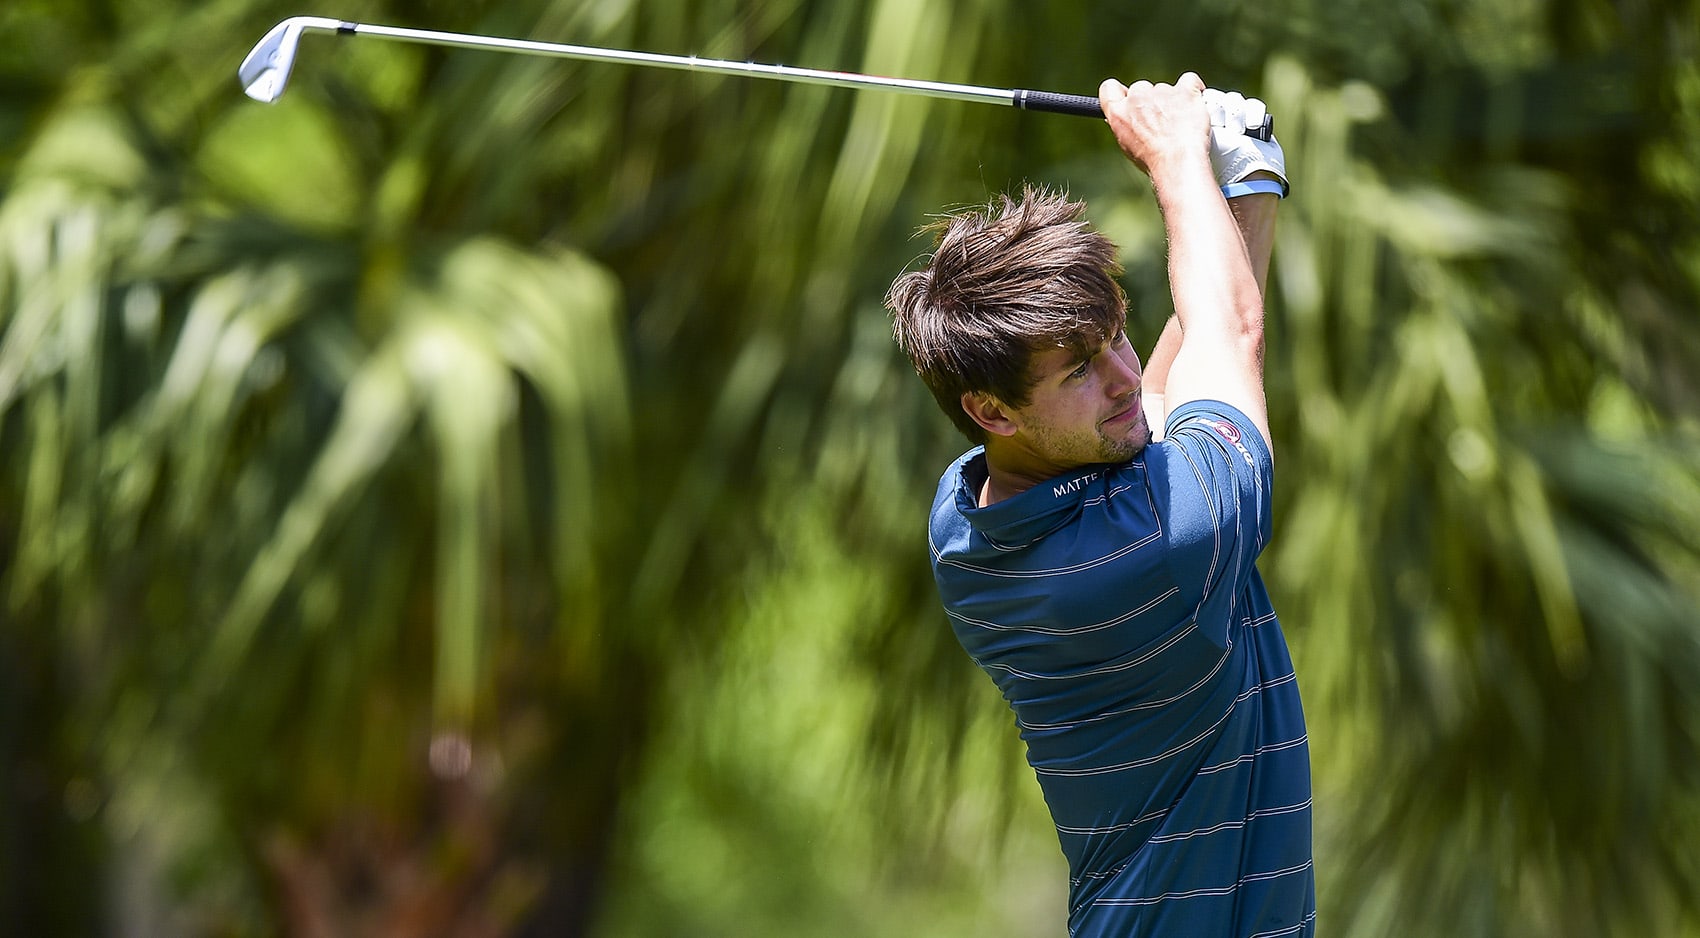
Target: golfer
(1106, 580)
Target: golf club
(265, 70)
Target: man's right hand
(1160, 124)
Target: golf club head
(265, 70)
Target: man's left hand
(1234, 154)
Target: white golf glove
(1234, 154)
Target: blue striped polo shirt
(1120, 611)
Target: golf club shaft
(265, 70)
(1030, 100)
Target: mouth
(1124, 419)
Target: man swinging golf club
(1104, 579)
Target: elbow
(1247, 328)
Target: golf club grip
(1077, 104)
(1082, 106)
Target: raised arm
(1254, 215)
(1218, 299)
(1154, 383)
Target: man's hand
(1157, 125)
(1234, 154)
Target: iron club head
(265, 70)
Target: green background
(479, 495)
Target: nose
(1124, 375)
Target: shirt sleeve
(1212, 479)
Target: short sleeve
(1212, 477)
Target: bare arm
(1155, 381)
(1218, 297)
(1255, 217)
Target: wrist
(1275, 187)
(1180, 169)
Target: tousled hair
(1004, 281)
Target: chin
(1123, 450)
(1135, 444)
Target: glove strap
(1234, 190)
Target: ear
(989, 413)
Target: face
(1083, 411)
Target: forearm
(1212, 279)
(1155, 380)
(1254, 215)
(1156, 377)
(1218, 297)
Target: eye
(1080, 372)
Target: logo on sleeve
(1231, 433)
(1228, 431)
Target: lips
(1128, 416)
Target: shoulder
(1212, 429)
(1212, 480)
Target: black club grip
(1077, 104)
(1080, 105)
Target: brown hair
(1005, 281)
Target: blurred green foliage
(478, 495)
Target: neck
(1011, 472)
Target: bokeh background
(479, 495)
